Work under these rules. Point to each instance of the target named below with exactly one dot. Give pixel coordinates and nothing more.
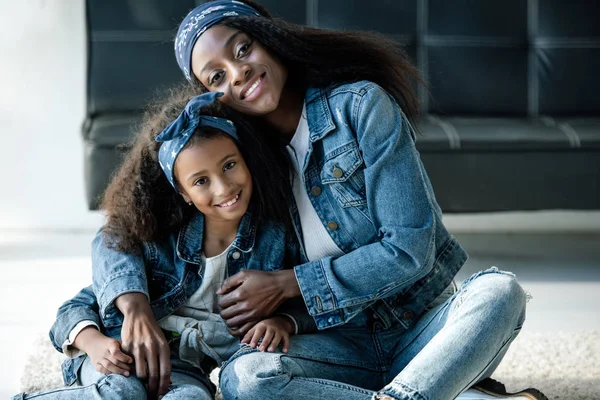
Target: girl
(378, 280)
(218, 229)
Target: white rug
(564, 366)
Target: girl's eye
(229, 165)
(215, 78)
(244, 48)
(200, 181)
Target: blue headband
(179, 132)
(199, 20)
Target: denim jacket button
(236, 255)
(316, 191)
(319, 303)
(332, 225)
(408, 315)
(337, 172)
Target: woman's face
(227, 60)
(213, 175)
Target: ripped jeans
(452, 347)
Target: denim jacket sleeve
(82, 307)
(402, 211)
(115, 273)
(296, 309)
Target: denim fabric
(366, 181)
(187, 383)
(168, 272)
(452, 346)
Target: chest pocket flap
(342, 170)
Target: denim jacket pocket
(342, 172)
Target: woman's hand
(145, 341)
(273, 331)
(250, 295)
(104, 352)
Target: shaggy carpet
(564, 366)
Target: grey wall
(42, 105)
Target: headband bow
(179, 132)
(198, 21)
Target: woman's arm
(402, 210)
(121, 285)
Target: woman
(379, 263)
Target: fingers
(274, 343)
(243, 330)
(258, 333)
(267, 338)
(139, 358)
(241, 319)
(247, 337)
(165, 369)
(107, 367)
(230, 284)
(153, 374)
(116, 355)
(229, 300)
(286, 343)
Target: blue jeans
(453, 346)
(188, 383)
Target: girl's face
(228, 60)
(213, 175)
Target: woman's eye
(229, 165)
(243, 49)
(200, 181)
(216, 78)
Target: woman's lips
(254, 89)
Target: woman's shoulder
(358, 88)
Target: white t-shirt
(317, 242)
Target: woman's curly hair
(323, 57)
(141, 205)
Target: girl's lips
(230, 203)
(256, 91)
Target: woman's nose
(240, 74)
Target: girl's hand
(273, 331)
(105, 353)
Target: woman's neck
(287, 115)
(218, 235)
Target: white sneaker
(490, 389)
(474, 394)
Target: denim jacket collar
(190, 238)
(316, 105)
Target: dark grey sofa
(511, 120)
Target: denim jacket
(168, 272)
(377, 204)
(366, 181)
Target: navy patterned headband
(198, 21)
(179, 132)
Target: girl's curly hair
(141, 205)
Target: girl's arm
(105, 353)
(82, 310)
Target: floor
(39, 271)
